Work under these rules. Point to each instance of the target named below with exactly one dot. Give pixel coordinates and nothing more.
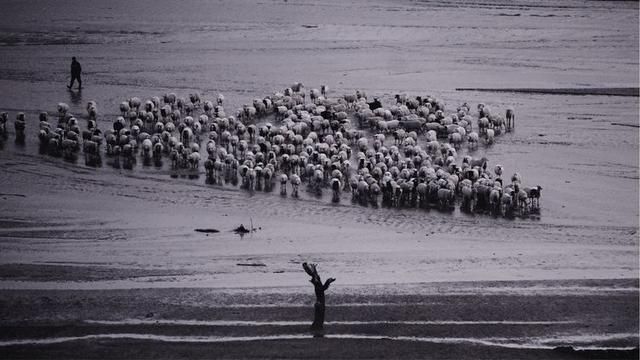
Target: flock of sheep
(402, 155)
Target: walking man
(76, 69)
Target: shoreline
(147, 282)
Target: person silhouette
(76, 70)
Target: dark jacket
(76, 69)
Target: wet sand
(89, 254)
(525, 320)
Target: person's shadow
(75, 96)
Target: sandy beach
(105, 262)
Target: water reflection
(75, 96)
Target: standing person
(76, 70)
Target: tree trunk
(320, 288)
(318, 316)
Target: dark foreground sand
(488, 320)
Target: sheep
(209, 169)
(149, 106)
(314, 94)
(63, 109)
(315, 139)
(489, 136)
(362, 191)
(534, 195)
(158, 149)
(170, 99)
(522, 200)
(498, 169)
(91, 150)
(506, 203)
(295, 183)
(497, 123)
(186, 135)
(468, 195)
(336, 186)
(19, 126)
(208, 108)
(516, 178)
(473, 139)
(483, 125)
(480, 163)
(401, 98)
(324, 89)
(350, 99)
(218, 167)
(283, 184)
(495, 197)
(4, 118)
(220, 99)
(511, 118)
(92, 109)
(147, 149)
(297, 87)
(248, 112)
(195, 99)
(281, 112)
(134, 103)
(455, 139)
(194, 160)
(69, 149)
(124, 108)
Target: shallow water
(60, 213)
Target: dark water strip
(628, 91)
(490, 341)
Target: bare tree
(320, 288)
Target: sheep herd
(402, 155)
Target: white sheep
(125, 108)
(194, 160)
(295, 184)
(489, 136)
(455, 139)
(473, 138)
(135, 103)
(147, 147)
(63, 110)
(283, 184)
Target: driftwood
(320, 288)
(208, 230)
(251, 264)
